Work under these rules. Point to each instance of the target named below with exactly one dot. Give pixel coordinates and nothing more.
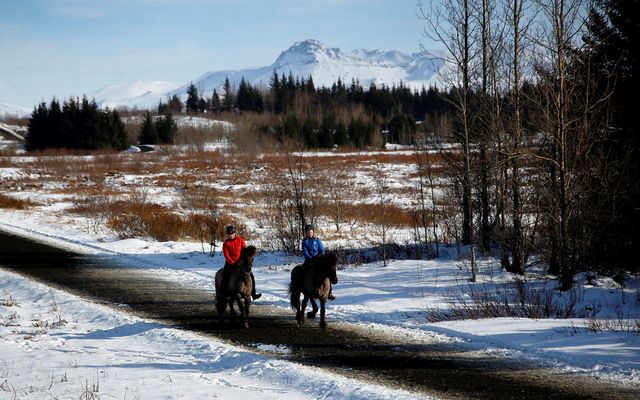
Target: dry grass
(212, 189)
(15, 204)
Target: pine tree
(36, 133)
(193, 99)
(229, 100)
(215, 99)
(175, 104)
(148, 133)
(167, 129)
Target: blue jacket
(312, 247)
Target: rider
(232, 248)
(311, 248)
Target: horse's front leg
(312, 314)
(244, 306)
(323, 323)
(303, 307)
(232, 310)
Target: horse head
(332, 267)
(246, 257)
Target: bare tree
(566, 104)
(450, 23)
(516, 236)
(294, 199)
(427, 212)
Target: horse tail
(294, 292)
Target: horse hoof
(323, 325)
(311, 315)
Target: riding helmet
(231, 229)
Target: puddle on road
(277, 349)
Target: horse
(238, 288)
(313, 280)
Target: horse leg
(221, 306)
(245, 304)
(232, 310)
(323, 323)
(303, 307)
(312, 314)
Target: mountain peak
(309, 51)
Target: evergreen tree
(148, 133)
(167, 129)
(193, 100)
(36, 138)
(76, 125)
(229, 100)
(614, 31)
(310, 132)
(215, 99)
(175, 104)
(341, 134)
(202, 105)
(402, 129)
(55, 124)
(116, 130)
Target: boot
(331, 296)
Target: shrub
(13, 203)
(137, 219)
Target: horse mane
(328, 260)
(247, 252)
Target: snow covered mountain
(11, 110)
(307, 58)
(141, 94)
(325, 65)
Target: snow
(12, 110)
(142, 94)
(54, 344)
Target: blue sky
(71, 47)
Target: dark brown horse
(313, 280)
(238, 288)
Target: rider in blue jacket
(311, 248)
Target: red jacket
(232, 249)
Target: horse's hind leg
(221, 306)
(312, 314)
(323, 323)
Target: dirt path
(422, 367)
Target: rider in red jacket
(232, 248)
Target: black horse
(238, 288)
(313, 280)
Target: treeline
(322, 117)
(76, 124)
